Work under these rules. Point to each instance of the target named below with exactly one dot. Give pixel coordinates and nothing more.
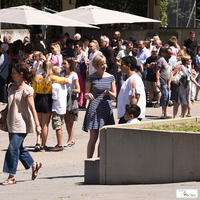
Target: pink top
(57, 60)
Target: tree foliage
(55, 5)
(163, 14)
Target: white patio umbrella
(97, 15)
(30, 16)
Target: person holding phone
(151, 87)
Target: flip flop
(35, 172)
(9, 181)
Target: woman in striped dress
(100, 89)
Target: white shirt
(59, 96)
(132, 121)
(91, 68)
(127, 92)
(71, 78)
(38, 70)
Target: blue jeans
(165, 95)
(16, 152)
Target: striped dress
(99, 111)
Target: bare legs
(158, 97)
(164, 111)
(69, 121)
(91, 143)
(175, 109)
(184, 109)
(59, 135)
(44, 119)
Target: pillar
(67, 5)
(153, 13)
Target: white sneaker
(68, 145)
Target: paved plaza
(62, 174)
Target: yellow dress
(40, 85)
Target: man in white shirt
(93, 46)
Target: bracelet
(37, 125)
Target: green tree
(55, 5)
(163, 15)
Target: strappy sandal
(35, 172)
(9, 181)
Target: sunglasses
(64, 63)
(154, 51)
(91, 46)
(76, 47)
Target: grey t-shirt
(165, 71)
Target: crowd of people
(55, 81)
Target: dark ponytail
(27, 74)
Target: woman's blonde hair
(185, 58)
(180, 54)
(39, 54)
(47, 67)
(56, 48)
(97, 60)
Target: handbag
(2, 70)
(4, 113)
(177, 78)
(3, 123)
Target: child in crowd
(57, 56)
(132, 113)
(37, 64)
(59, 96)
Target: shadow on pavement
(54, 177)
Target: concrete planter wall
(130, 154)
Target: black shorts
(43, 103)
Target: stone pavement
(62, 174)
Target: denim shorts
(165, 95)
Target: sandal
(37, 147)
(35, 172)
(9, 181)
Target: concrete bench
(132, 155)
